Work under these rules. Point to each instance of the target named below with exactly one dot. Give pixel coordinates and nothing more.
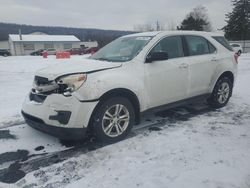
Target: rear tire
(113, 120)
(221, 93)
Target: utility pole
(21, 43)
(245, 26)
(157, 26)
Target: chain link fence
(245, 45)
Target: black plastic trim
(177, 103)
(61, 116)
(92, 100)
(184, 46)
(59, 132)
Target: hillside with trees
(101, 36)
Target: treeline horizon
(102, 36)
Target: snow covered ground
(210, 149)
(16, 76)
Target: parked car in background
(5, 53)
(90, 50)
(237, 48)
(76, 51)
(51, 51)
(37, 52)
(135, 74)
(81, 51)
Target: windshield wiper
(103, 59)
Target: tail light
(236, 57)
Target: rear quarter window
(235, 45)
(223, 42)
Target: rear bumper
(59, 132)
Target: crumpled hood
(71, 67)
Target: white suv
(133, 74)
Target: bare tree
(155, 26)
(143, 27)
(170, 26)
(200, 12)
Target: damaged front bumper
(62, 116)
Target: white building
(38, 33)
(89, 44)
(25, 44)
(4, 45)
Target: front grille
(37, 98)
(62, 88)
(41, 80)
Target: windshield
(122, 49)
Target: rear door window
(197, 45)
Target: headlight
(72, 82)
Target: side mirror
(156, 56)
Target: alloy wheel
(223, 92)
(115, 120)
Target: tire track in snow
(29, 163)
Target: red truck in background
(81, 51)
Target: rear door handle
(214, 59)
(183, 66)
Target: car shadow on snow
(5, 134)
(22, 163)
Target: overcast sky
(108, 14)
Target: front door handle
(183, 66)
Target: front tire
(113, 120)
(221, 93)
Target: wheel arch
(227, 74)
(122, 92)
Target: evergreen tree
(191, 23)
(238, 21)
(196, 20)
